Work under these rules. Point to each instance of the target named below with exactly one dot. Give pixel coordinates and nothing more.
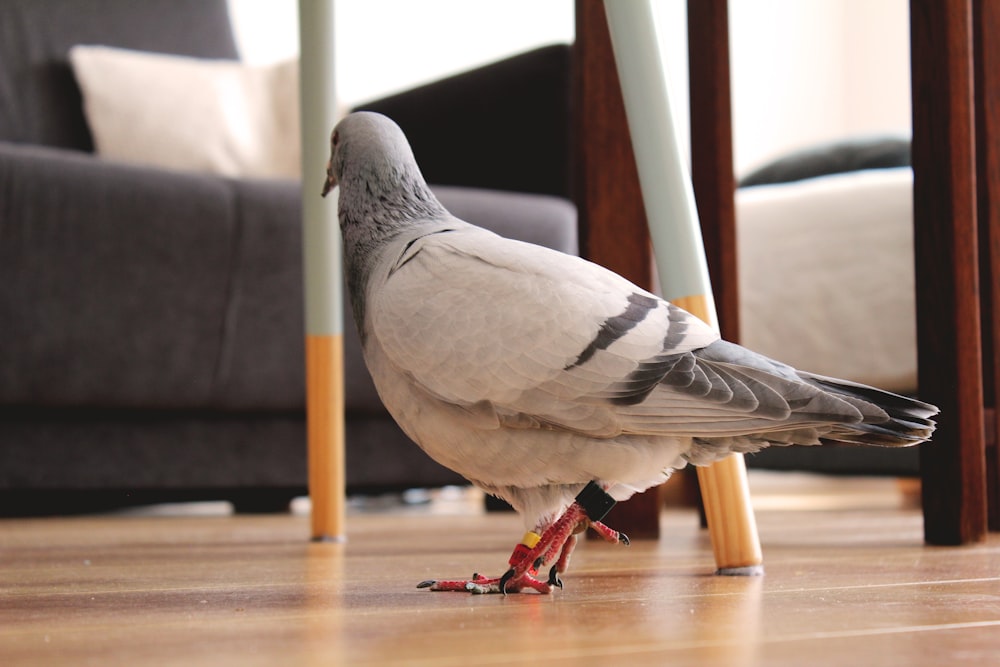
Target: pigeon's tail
(909, 420)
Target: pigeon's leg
(555, 544)
(561, 565)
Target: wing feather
(548, 340)
(475, 317)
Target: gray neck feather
(376, 206)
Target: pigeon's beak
(331, 179)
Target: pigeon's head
(369, 146)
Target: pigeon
(550, 381)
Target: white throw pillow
(216, 116)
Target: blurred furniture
(956, 165)
(152, 320)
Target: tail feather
(907, 421)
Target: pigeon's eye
(336, 139)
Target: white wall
(384, 46)
(816, 70)
(877, 60)
(804, 71)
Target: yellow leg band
(530, 539)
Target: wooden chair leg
(668, 199)
(725, 494)
(321, 258)
(712, 173)
(986, 58)
(325, 435)
(945, 239)
(613, 230)
(714, 182)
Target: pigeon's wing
(528, 337)
(542, 338)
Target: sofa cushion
(206, 115)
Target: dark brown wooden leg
(986, 27)
(609, 199)
(712, 161)
(608, 193)
(947, 280)
(712, 153)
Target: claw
(623, 538)
(505, 579)
(427, 583)
(554, 579)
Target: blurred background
(804, 72)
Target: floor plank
(848, 580)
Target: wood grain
(947, 277)
(848, 582)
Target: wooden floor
(848, 583)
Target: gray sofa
(151, 324)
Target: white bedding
(826, 275)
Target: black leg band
(595, 502)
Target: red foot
(556, 544)
(480, 584)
